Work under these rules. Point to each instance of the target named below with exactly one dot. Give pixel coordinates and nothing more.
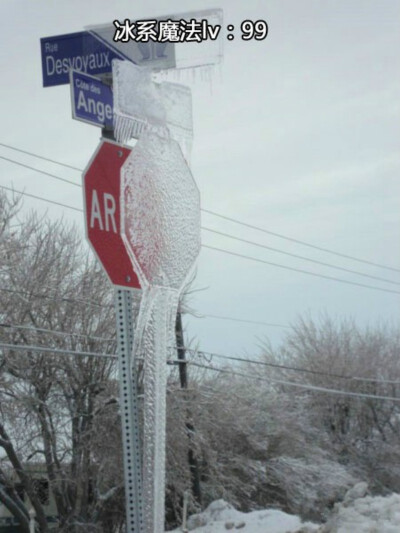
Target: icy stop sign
(101, 184)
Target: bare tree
(361, 432)
(54, 404)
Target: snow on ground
(366, 515)
(220, 517)
(356, 514)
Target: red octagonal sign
(101, 184)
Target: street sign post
(128, 402)
(91, 99)
(101, 185)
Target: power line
(299, 256)
(58, 351)
(212, 354)
(233, 237)
(40, 157)
(40, 198)
(299, 270)
(236, 221)
(236, 254)
(293, 368)
(299, 241)
(52, 298)
(294, 384)
(195, 352)
(220, 317)
(41, 349)
(56, 332)
(95, 304)
(40, 171)
(26, 347)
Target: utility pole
(192, 459)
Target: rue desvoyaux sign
(92, 52)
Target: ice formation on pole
(142, 105)
(160, 227)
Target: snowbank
(366, 515)
(220, 517)
(356, 514)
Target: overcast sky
(298, 134)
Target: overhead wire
(244, 320)
(45, 349)
(55, 332)
(283, 382)
(331, 278)
(299, 256)
(55, 299)
(298, 241)
(295, 385)
(293, 269)
(58, 351)
(95, 304)
(23, 193)
(41, 349)
(225, 217)
(292, 368)
(211, 354)
(40, 171)
(40, 157)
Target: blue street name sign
(92, 100)
(79, 51)
(92, 52)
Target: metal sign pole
(129, 413)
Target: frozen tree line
(254, 443)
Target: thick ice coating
(141, 105)
(135, 95)
(158, 308)
(161, 212)
(161, 230)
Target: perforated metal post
(129, 413)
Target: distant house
(9, 524)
